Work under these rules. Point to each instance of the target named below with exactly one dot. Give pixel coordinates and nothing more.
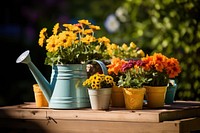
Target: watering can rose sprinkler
(65, 90)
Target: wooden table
(180, 117)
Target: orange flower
(148, 61)
(160, 68)
(115, 66)
(173, 68)
(159, 61)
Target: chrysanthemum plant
(72, 43)
(133, 75)
(98, 81)
(160, 69)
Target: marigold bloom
(161, 68)
(115, 66)
(173, 68)
(148, 62)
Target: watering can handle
(102, 65)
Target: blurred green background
(170, 26)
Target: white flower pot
(100, 99)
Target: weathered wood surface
(84, 126)
(180, 117)
(176, 111)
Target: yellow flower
(125, 47)
(42, 36)
(55, 28)
(88, 31)
(72, 43)
(83, 21)
(114, 46)
(70, 27)
(124, 51)
(104, 40)
(51, 47)
(141, 53)
(97, 48)
(88, 39)
(132, 45)
(98, 81)
(41, 41)
(94, 27)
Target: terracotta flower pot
(117, 97)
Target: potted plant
(132, 81)
(159, 69)
(68, 49)
(72, 43)
(119, 55)
(114, 69)
(99, 89)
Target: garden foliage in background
(171, 27)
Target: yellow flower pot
(117, 97)
(155, 96)
(134, 97)
(40, 100)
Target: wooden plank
(190, 125)
(179, 114)
(85, 126)
(79, 115)
(60, 126)
(179, 110)
(136, 116)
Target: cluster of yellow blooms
(72, 43)
(76, 43)
(124, 51)
(98, 81)
(73, 34)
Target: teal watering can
(65, 89)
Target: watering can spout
(40, 79)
